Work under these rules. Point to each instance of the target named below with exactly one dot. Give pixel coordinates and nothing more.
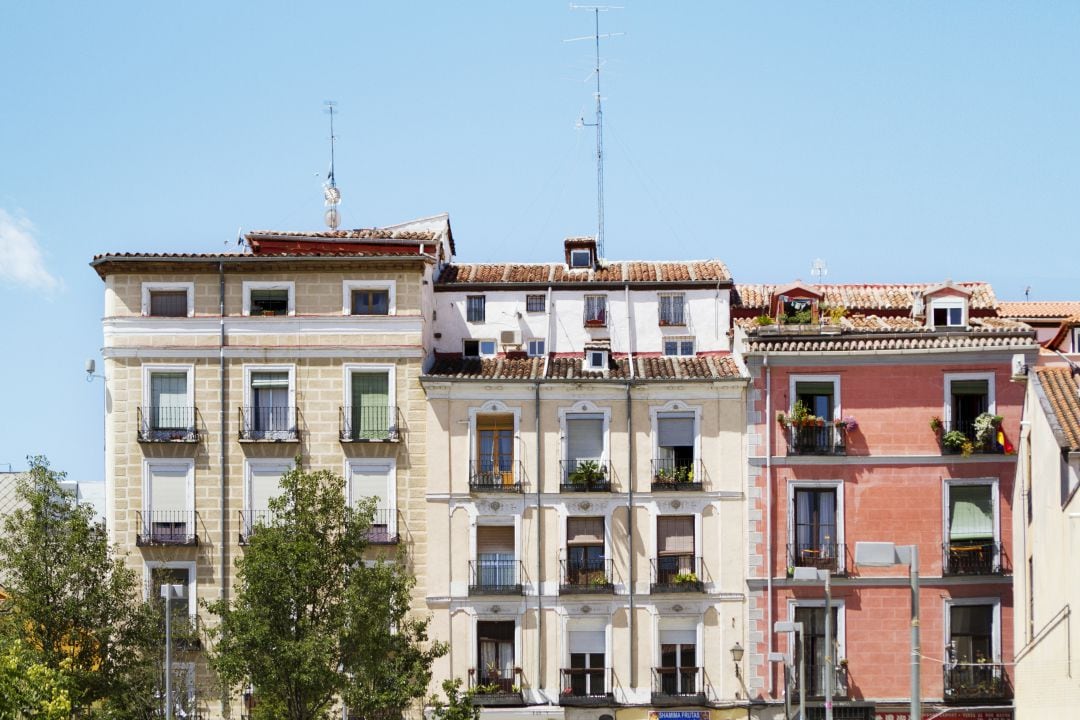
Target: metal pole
(829, 664)
(168, 654)
(787, 691)
(916, 700)
(802, 674)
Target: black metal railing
(586, 577)
(384, 527)
(670, 474)
(823, 556)
(815, 686)
(369, 423)
(166, 527)
(381, 714)
(973, 557)
(978, 681)
(488, 476)
(495, 577)
(827, 439)
(268, 423)
(585, 476)
(496, 686)
(167, 424)
(251, 521)
(585, 686)
(671, 683)
(953, 434)
(677, 574)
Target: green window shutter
(971, 512)
(370, 411)
(813, 388)
(969, 387)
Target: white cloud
(20, 256)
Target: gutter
(224, 436)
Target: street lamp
(784, 626)
(170, 593)
(887, 554)
(809, 574)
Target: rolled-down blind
(168, 489)
(584, 438)
(270, 380)
(678, 636)
(813, 388)
(265, 484)
(675, 535)
(675, 430)
(587, 641)
(498, 539)
(969, 387)
(370, 481)
(584, 531)
(971, 512)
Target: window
(495, 654)
(375, 478)
(584, 442)
(581, 258)
(596, 310)
(971, 529)
(971, 633)
(168, 299)
(816, 540)
(370, 302)
(796, 310)
(674, 346)
(967, 396)
(813, 620)
(535, 303)
(168, 412)
(168, 503)
(270, 413)
(536, 348)
(268, 298)
(675, 549)
(973, 671)
(475, 308)
(1075, 341)
(678, 670)
(596, 360)
(586, 676)
(494, 450)
(947, 312)
(585, 552)
(496, 561)
(263, 483)
(671, 309)
(371, 414)
(817, 396)
(674, 447)
(479, 348)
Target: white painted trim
(249, 285)
(380, 352)
(991, 400)
(347, 287)
(585, 407)
(188, 287)
(836, 485)
(262, 464)
(390, 464)
(948, 483)
(479, 347)
(150, 369)
(189, 565)
(947, 302)
(834, 379)
(673, 406)
(249, 399)
(135, 326)
(698, 550)
(348, 369)
(489, 408)
(840, 630)
(995, 631)
(185, 464)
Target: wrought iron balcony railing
(495, 577)
(815, 686)
(823, 556)
(166, 527)
(589, 577)
(582, 687)
(370, 423)
(976, 682)
(669, 474)
(251, 520)
(973, 557)
(503, 476)
(678, 685)
(950, 443)
(585, 476)
(827, 439)
(677, 574)
(271, 424)
(496, 686)
(384, 527)
(167, 424)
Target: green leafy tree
(74, 605)
(458, 705)
(30, 689)
(313, 623)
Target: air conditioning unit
(1019, 367)
(510, 337)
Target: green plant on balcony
(597, 579)
(685, 578)
(798, 317)
(587, 473)
(761, 320)
(958, 442)
(986, 427)
(936, 424)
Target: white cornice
(389, 352)
(315, 325)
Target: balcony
(585, 687)
(678, 686)
(251, 520)
(828, 439)
(977, 682)
(369, 424)
(167, 424)
(961, 439)
(815, 688)
(823, 556)
(975, 557)
(676, 475)
(487, 477)
(166, 527)
(677, 574)
(268, 424)
(384, 527)
(497, 687)
(186, 629)
(584, 476)
(495, 577)
(592, 577)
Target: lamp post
(795, 627)
(887, 554)
(809, 574)
(170, 593)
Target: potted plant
(986, 426)
(685, 578)
(957, 442)
(587, 472)
(936, 424)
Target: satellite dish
(333, 218)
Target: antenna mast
(331, 194)
(599, 123)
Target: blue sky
(912, 141)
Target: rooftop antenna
(1027, 293)
(599, 123)
(818, 269)
(331, 194)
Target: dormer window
(797, 310)
(581, 259)
(596, 360)
(580, 252)
(947, 312)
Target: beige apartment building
(222, 368)
(587, 520)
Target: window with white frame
(596, 360)
(1075, 348)
(269, 298)
(168, 299)
(596, 310)
(819, 394)
(479, 348)
(581, 258)
(971, 528)
(678, 346)
(536, 347)
(375, 478)
(586, 674)
(495, 656)
(967, 396)
(368, 297)
(168, 502)
(269, 403)
(496, 566)
(168, 411)
(584, 447)
(679, 671)
(585, 561)
(371, 413)
(948, 312)
(476, 308)
(263, 483)
(672, 308)
(973, 632)
(675, 447)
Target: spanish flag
(1004, 442)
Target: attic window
(947, 312)
(796, 310)
(596, 360)
(581, 258)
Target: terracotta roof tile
(701, 367)
(1043, 309)
(864, 296)
(636, 271)
(357, 234)
(1063, 393)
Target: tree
(311, 621)
(73, 606)
(459, 705)
(29, 689)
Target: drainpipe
(223, 436)
(539, 548)
(630, 485)
(768, 516)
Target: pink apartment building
(884, 413)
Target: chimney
(580, 252)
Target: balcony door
(495, 449)
(584, 441)
(181, 610)
(678, 669)
(271, 411)
(168, 503)
(495, 654)
(815, 527)
(674, 547)
(971, 632)
(817, 396)
(585, 551)
(587, 663)
(264, 483)
(813, 620)
(495, 556)
(169, 401)
(370, 413)
(968, 399)
(675, 444)
(375, 479)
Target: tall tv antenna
(599, 122)
(819, 269)
(331, 194)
